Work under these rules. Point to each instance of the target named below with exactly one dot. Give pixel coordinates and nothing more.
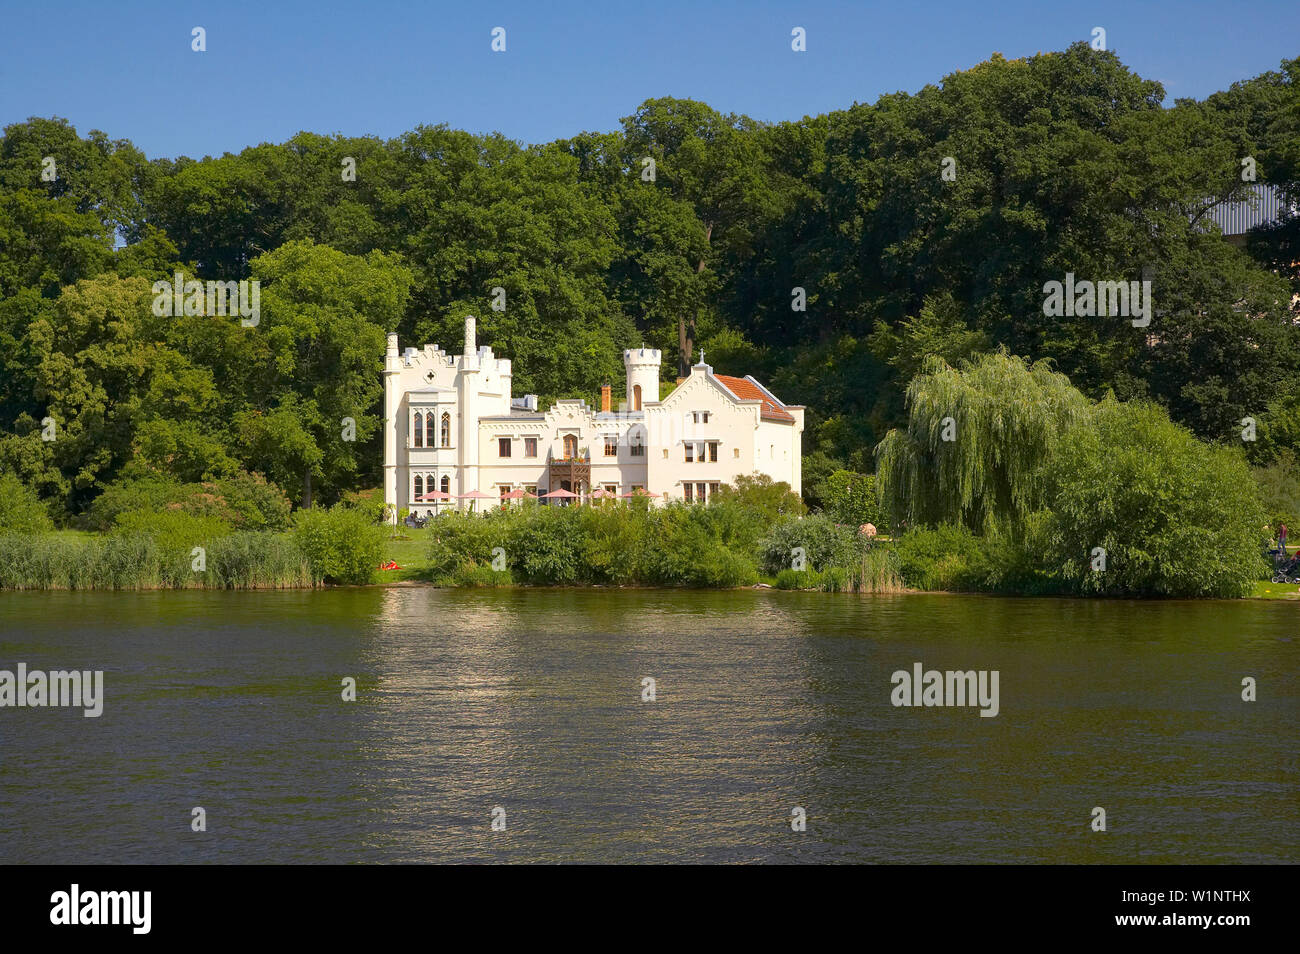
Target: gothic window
(446, 429)
(419, 429)
(419, 486)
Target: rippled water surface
(531, 701)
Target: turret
(642, 366)
(392, 408)
(470, 354)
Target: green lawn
(1275, 591)
(408, 552)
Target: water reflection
(532, 701)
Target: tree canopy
(921, 226)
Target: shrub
(475, 575)
(174, 528)
(788, 579)
(614, 543)
(245, 501)
(759, 494)
(547, 546)
(251, 502)
(946, 557)
(825, 543)
(850, 498)
(1176, 517)
(464, 541)
(686, 551)
(21, 510)
(836, 579)
(1279, 489)
(341, 544)
(371, 502)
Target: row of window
(706, 452)
(444, 429)
(701, 452)
(422, 431)
(696, 494)
(505, 446)
(423, 483)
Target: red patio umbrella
(475, 495)
(434, 495)
(559, 493)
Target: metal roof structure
(1264, 205)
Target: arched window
(419, 486)
(446, 484)
(419, 429)
(636, 397)
(570, 446)
(446, 429)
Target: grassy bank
(1265, 590)
(143, 561)
(619, 544)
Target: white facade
(451, 424)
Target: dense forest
(1063, 162)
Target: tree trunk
(686, 329)
(306, 490)
(685, 345)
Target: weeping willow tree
(975, 442)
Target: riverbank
(615, 547)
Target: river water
(527, 706)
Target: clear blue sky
(374, 67)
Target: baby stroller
(1285, 569)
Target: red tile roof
(747, 390)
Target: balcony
(573, 473)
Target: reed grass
(143, 562)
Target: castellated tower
(392, 408)
(642, 366)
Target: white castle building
(452, 425)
